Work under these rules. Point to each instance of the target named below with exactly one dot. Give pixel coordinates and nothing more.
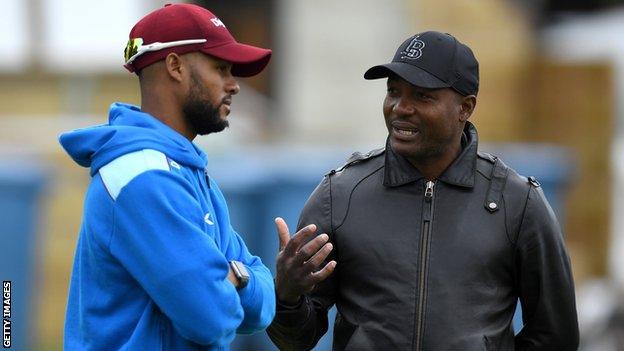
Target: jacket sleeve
(546, 287)
(158, 238)
(300, 327)
(258, 297)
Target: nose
(403, 107)
(232, 86)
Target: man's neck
(166, 113)
(432, 168)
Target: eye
(424, 96)
(223, 68)
(392, 91)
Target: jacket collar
(399, 171)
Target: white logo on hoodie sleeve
(207, 219)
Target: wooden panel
(501, 37)
(572, 105)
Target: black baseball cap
(433, 60)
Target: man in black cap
(427, 243)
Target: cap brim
(246, 60)
(412, 74)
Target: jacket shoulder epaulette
(359, 157)
(345, 179)
(507, 188)
(485, 168)
(485, 162)
(486, 156)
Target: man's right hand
(299, 260)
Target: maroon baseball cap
(185, 28)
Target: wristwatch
(240, 272)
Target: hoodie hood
(128, 130)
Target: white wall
(73, 36)
(14, 35)
(323, 49)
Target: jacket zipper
(424, 260)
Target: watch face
(241, 273)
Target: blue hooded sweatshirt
(151, 264)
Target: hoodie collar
(128, 130)
(174, 144)
(399, 171)
(131, 115)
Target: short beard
(426, 154)
(201, 116)
(423, 155)
(430, 153)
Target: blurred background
(551, 103)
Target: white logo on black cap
(414, 49)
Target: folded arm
(159, 239)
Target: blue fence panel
(21, 184)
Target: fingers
(311, 248)
(318, 257)
(302, 236)
(321, 275)
(299, 260)
(291, 245)
(282, 232)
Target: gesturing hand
(299, 260)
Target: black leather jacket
(435, 265)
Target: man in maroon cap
(158, 265)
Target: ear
(466, 107)
(174, 65)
